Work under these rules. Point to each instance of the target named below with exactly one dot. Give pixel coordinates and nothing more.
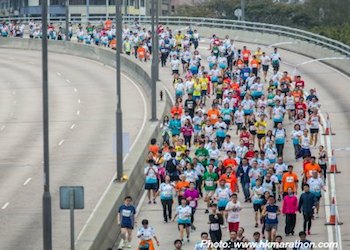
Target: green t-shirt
(202, 154)
(210, 181)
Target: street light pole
(67, 20)
(243, 10)
(156, 48)
(87, 10)
(107, 9)
(119, 115)
(47, 217)
(154, 66)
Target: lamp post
(119, 115)
(107, 9)
(154, 65)
(47, 217)
(156, 48)
(87, 10)
(67, 20)
(243, 10)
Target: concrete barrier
(101, 230)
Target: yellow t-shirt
(261, 127)
(204, 83)
(197, 88)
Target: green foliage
(330, 18)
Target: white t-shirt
(233, 211)
(316, 184)
(146, 233)
(239, 116)
(175, 64)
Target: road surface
(82, 127)
(333, 88)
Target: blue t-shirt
(127, 215)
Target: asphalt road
(82, 127)
(333, 88)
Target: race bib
(271, 216)
(126, 213)
(209, 183)
(214, 227)
(290, 179)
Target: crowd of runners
(223, 144)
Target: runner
(151, 183)
(146, 234)
(222, 197)
(209, 183)
(256, 196)
(216, 220)
(316, 186)
(271, 212)
(289, 208)
(166, 192)
(307, 204)
(232, 209)
(126, 220)
(184, 213)
(192, 196)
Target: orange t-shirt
(287, 79)
(240, 63)
(230, 163)
(177, 110)
(141, 52)
(309, 168)
(213, 115)
(254, 63)
(246, 54)
(289, 180)
(154, 149)
(231, 181)
(180, 185)
(234, 85)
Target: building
(80, 9)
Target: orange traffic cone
(333, 219)
(328, 130)
(334, 169)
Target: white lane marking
(75, 90)
(32, 63)
(14, 102)
(13, 92)
(68, 81)
(2, 127)
(79, 101)
(125, 157)
(5, 206)
(326, 195)
(78, 112)
(27, 181)
(60, 143)
(58, 73)
(73, 126)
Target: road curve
(82, 127)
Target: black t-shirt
(190, 106)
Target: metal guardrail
(218, 23)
